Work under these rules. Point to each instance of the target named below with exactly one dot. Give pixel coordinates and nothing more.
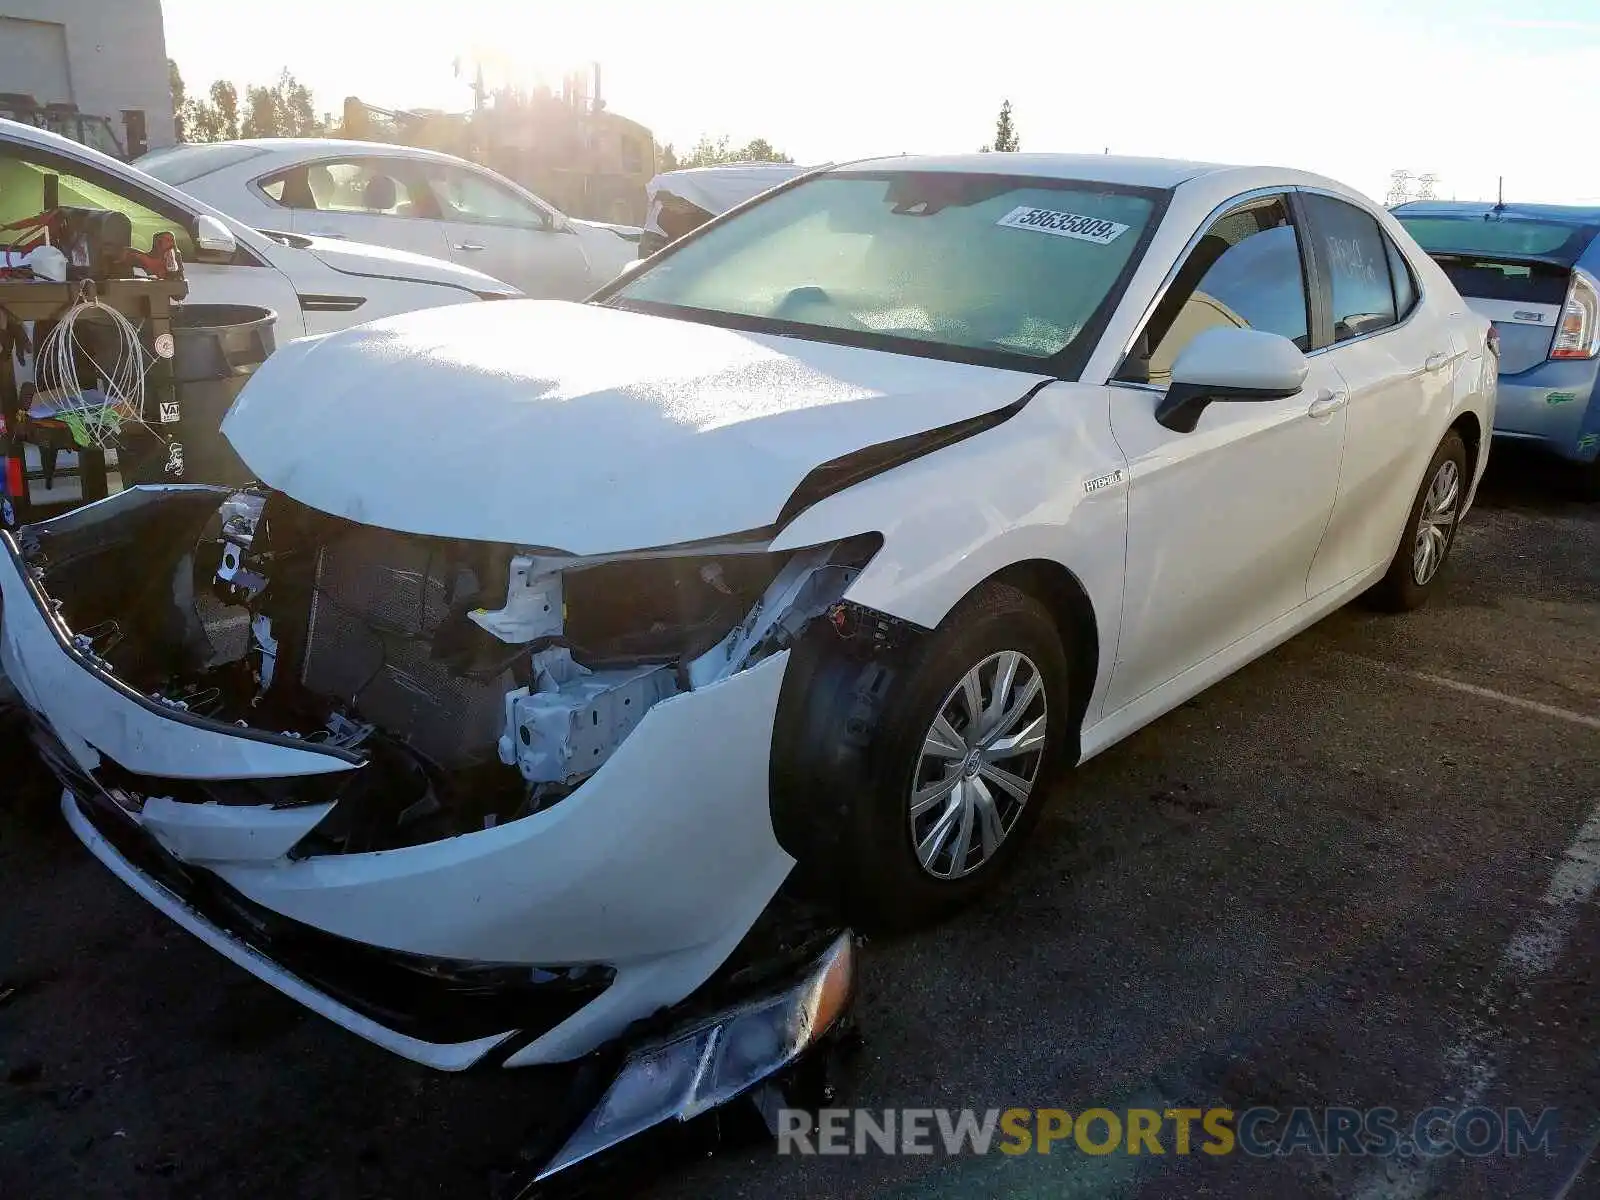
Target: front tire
(1430, 530)
(970, 745)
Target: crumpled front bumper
(653, 870)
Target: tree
(216, 120)
(260, 112)
(284, 110)
(666, 157)
(761, 150)
(175, 82)
(1005, 133)
(709, 153)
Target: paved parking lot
(1357, 873)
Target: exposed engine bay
(475, 683)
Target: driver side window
(1245, 272)
(22, 194)
(469, 196)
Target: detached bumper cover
(645, 878)
(445, 1056)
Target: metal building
(106, 58)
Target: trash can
(215, 350)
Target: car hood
(578, 427)
(382, 262)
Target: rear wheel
(1430, 530)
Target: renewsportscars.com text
(1258, 1132)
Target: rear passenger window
(1245, 273)
(370, 186)
(1405, 284)
(1357, 258)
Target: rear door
(362, 199)
(1397, 356)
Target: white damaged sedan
(558, 640)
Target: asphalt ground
(1357, 873)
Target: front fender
(1043, 485)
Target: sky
(1469, 90)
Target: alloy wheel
(979, 762)
(1436, 521)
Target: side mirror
(559, 223)
(1229, 364)
(212, 239)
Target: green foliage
(286, 109)
(709, 153)
(1005, 132)
(179, 93)
(213, 120)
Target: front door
(1224, 521)
(493, 228)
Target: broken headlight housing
(683, 1077)
(708, 617)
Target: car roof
(1098, 168)
(1127, 170)
(1568, 214)
(322, 147)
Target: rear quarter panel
(1475, 378)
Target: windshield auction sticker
(1064, 224)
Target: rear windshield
(180, 164)
(1511, 236)
(987, 263)
(1489, 279)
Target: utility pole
(1399, 187)
(1401, 190)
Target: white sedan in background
(679, 202)
(313, 285)
(816, 551)
(405, 197)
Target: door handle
(469, 246)
(1328, 401)
(1435, 360)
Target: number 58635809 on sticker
(1064, 224)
